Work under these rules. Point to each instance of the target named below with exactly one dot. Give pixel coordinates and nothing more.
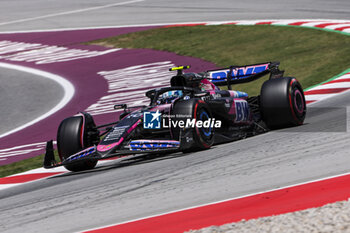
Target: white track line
(65, 84)
(70, 12)
(311, 22)
(346, 76)
(221, 201)
(333, 27)
(319, 97)
(239, 22)
(332, 85)
(276, 22)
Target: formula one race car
(192, 114)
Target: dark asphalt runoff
(137, 188)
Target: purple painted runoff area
(89, 86)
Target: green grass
(311, 56)
(24, 165)
(21, 166)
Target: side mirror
(120, 106)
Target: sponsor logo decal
(115, 134)
(242, 111)
(153, 144)
(151, 120)
(82, 154)
(238, 73)
(155, 120)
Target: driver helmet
(206, 85)
(169, 97)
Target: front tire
(202, 138)
(74, 134)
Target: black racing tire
(71, 138)
(282, 103)
(203, 138)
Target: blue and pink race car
(192, 114)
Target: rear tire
(282, 103)
(74, 135)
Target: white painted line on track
(333, 27)
(69, 89)
(286, 21)
(250, 22)
(332, 86)
(319, 97)
(346, 76)
(276, 22)
(42, 170)
(217, 23)
(70, 12)
(239, 22)
(65, 84)
(221, 201)
(304, 22)
(6, 186)
(313, 24)
(57, 171)
(310, 97)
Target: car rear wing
(243, 74)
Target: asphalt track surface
(16, 107)
(42, 14)
(141, 187)
(49, 15)
(137, 188)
